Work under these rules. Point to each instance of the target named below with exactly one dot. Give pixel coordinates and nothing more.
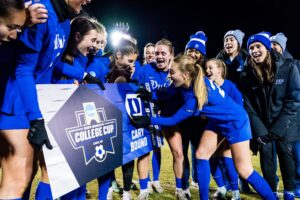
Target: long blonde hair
(187, 64)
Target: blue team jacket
(162, 89)
(220, 108)
(99, 67)
(69, 72)
(41, 46)
(232, 91)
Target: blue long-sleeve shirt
(232, 91)
(10, 99)
(71, 72)
(220, 108)
(161, 88)
(41, 46)
(99, 67)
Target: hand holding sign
(141, 121)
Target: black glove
(143, 93)
(91, 79)
(141, 121)
(157, 106)
(134, 81)
(38, 135)
(266, 139)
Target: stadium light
(119, 32)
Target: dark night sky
(152, 20)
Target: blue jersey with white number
(161, 88)
(219, 108)
(41, 46)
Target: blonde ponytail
(200, 87)
(187, 63)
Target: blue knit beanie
(280, 39)
(238, 34)
(197, 41)
(262, 37)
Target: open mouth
(160, 61)
(256, 55)
(228, 47)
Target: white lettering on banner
(137, 133)
(92, 133)
(138, 144)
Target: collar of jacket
(278, 59)
(62, 10)
(223, 55)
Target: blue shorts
(231, 131)
(9, 121)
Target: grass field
(166, 178)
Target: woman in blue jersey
(122, 69)
(39, 47)
(155, 77)
(82, 42)
(149, 57)
(203, 97)
(12, 19)
(84, 39)
(101, 41)
(216, 72)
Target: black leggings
(268, 162)
(127, 170)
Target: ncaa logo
(133, 105)
(90, 113)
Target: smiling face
(163, 57)
(149, 54)
(101, 41)
(88, 42)
(194, 54)
(258, 52)
(231, 45)
(276, 47)
(178, 77)
(213, 71)
(11, 25)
